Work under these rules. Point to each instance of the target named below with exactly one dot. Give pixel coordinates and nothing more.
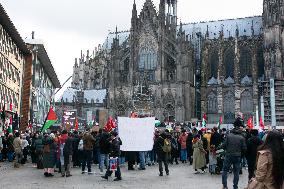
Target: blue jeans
(104, 158)
(236, 162)
(183, 154)
(148, 158)
(121, 160)
(10, 156)
(153, 156)
(142, 159)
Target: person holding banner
(114, 154)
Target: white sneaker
(196, 172)
(101, 173)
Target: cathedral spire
(134, 17)
(237, 31)
(252, 28)
(207, 33)
(134, 10)
(180, 27)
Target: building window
(170, 69)
(229, 108)
(212, 108)
(212, 103)
(229, 59)
(245, 62)
(147, 59)
(214, 61)
(246, 104)
(260, 62)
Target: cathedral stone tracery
(182, 71)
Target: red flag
(76, 125)
(109, 125)
(249, 123)
(205, 117)
(221, 120)
(261, 124)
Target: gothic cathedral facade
(176, 71)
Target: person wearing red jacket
(182, 141)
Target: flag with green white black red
(204, 120)
(50, 120)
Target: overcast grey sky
(67, 26)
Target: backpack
(167, 147)
(81, 145)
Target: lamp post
(272, 104)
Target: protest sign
(136, 133)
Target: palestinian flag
(76, 124)
(249, 123)
(204, 120)
(3, 116)
(261, 124)
(220, 122)
(9, 129)
(50, 120)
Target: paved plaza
(181, 177)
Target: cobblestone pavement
(181, 177)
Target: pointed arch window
(260, 62)
(246, 104)
(214, 61)
(245, 62)
(212, 103)
(229, 59)
(147, 59)
(229, 107)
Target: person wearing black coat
(67, 153)
(251, 154)
(114, 153)
(76, 155)
(175, 151)
(189, 147)
(162, 156)
(104, 145)
(216, 138)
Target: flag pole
(45, 119)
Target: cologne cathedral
(177, 71)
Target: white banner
(136, 133)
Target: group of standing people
(263, 153)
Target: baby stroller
(212, 160)
(220, 155)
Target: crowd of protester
(216, 151)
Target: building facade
(13, 56)
(40, 82)
(181, 71)
(149, 70)
(89, 105)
